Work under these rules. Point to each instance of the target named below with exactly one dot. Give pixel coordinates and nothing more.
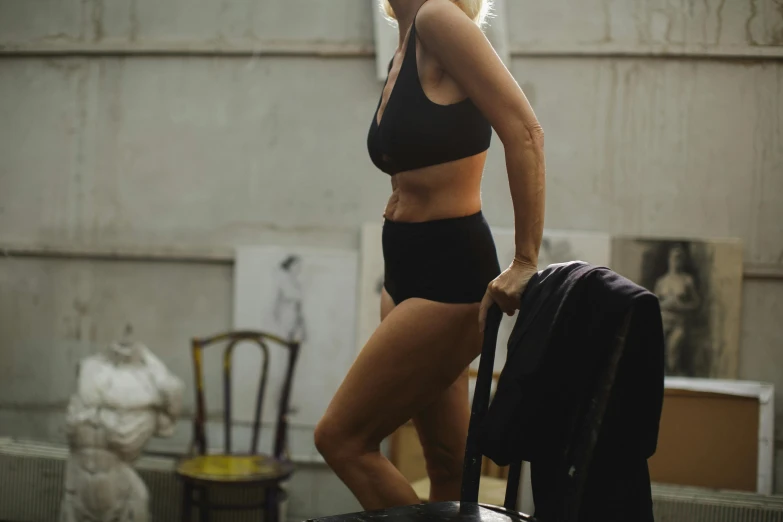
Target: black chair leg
(187, 503)
(512, 487)
(272, 504)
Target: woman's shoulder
(437, 15)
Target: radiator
(31, 480)
(685, 504)
(31, 486)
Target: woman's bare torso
(439, 191)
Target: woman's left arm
(466, 55)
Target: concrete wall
(140, 141)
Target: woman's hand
(506, 289)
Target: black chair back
(471, 467)
(584, 435)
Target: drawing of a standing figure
(679, 298)
(288, 311)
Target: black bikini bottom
(446, 260)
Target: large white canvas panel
(304, 293)
(557, 246)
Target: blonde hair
(477, 10)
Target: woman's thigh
(442, 425)
(418, 351)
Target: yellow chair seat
(234, 468)
(492, 491)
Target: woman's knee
(336, 444)
(325, 437)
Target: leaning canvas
(557, 246)
(306, 294)
(699, 284)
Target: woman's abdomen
(438, 192)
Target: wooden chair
(576, 457)
(202, 471)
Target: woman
(445, 91)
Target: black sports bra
(416, 132)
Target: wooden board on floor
(712, 438)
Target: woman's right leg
(443, 431)
(415, 355)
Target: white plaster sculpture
(125, 396)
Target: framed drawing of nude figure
(699, 285)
